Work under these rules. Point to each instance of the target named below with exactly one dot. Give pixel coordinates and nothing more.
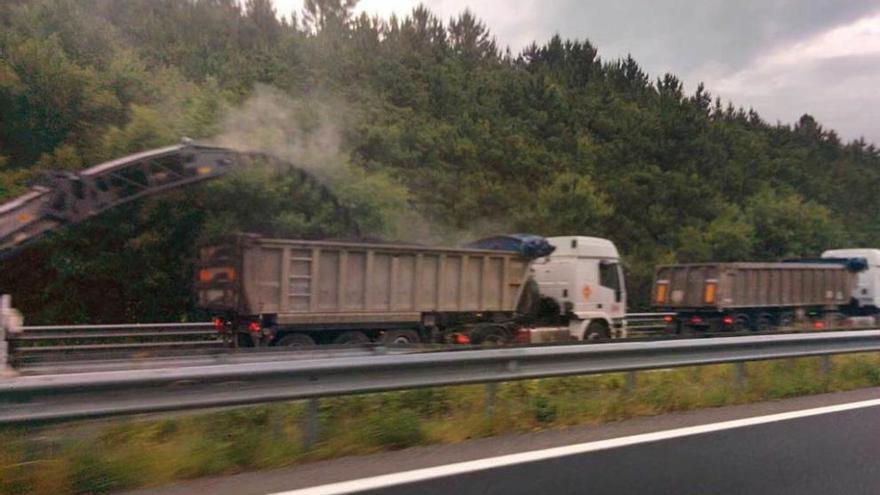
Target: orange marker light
(209, 274)
(661, 292)
(709, 292)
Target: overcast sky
(782, 57)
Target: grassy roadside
(100, 457)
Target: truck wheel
(741, 323)
(351, 338)
(786, 320)
(243, 340)
(488, 336)
(597, 330)
(401, 337)
(764, 322)
(296, 340)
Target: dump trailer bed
(315, 286)
(748, 285)
(750, 295)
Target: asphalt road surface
(823, 444)
(833, 452)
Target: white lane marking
(388, 480)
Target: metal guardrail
(36, 344)
(209, 357)
(646, 323)
(44, 345)
(81, 395)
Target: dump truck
(290, 292)
(737, 296)
(866, 293)
(581, 292)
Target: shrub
(393, 429)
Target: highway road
(811, 445)
(835, 451)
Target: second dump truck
(714, 297)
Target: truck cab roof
(871, 255)
(583, 247)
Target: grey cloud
(716, 41)
(841, 92)
(835, 70)
(706, 40)
(683, 35)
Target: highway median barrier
(143, 451)
(333, 407)
(29, 399)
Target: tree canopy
(425, 128)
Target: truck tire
(764, 322)
(401, 337)
(296, 340)
(786, 320)
(597, 330)
(741, 322)
(243, 340)
(489, 335)
(351, 338)
(838, 320)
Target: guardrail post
(825, 365)
(310, 436)
(4, 352)
(631, 381)
(741, 374)
(491, 393)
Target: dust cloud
(308, 135)
(302, 133)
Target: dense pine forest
(425, 128)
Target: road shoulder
(347, 468)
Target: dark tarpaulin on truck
(851, 264)
(527, 245)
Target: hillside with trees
(425, 128)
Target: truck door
(612, 285)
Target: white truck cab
(867, 290)
(584, 276)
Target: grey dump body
(353, 284)
(751, 285)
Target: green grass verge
(104, 456)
